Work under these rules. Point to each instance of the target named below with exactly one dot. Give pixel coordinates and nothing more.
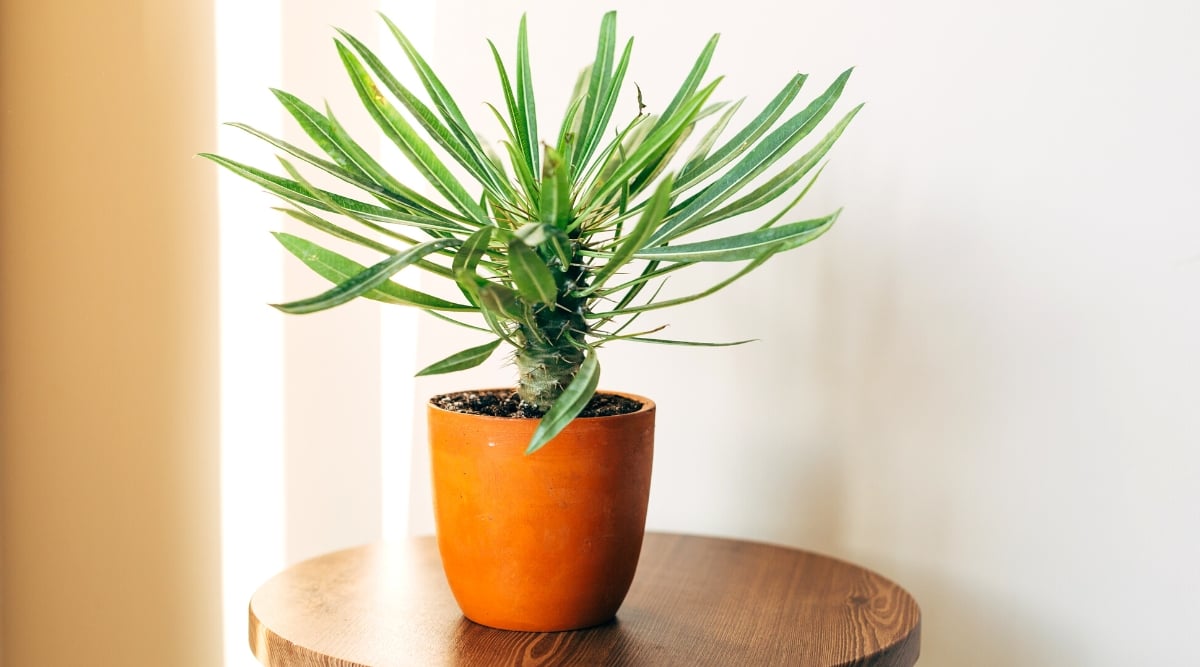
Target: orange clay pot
(548, 541)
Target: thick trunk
(553, 343)
(545, 372)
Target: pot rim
(647, 405)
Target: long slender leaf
(317, 127)
(525, 99)
(568, 134)
(741, 247)
(688, 343)
(410, 196)
(568, 406)
(407, 140)
(664, 134)
(658, 163)
(516, 144)
(600, 121)
(337, 231)
(458, 139)
(297, 193)
(354, 178)
(437, 91)
(762, 156)
(746, 138)
(337, 269)
(692, 81)
(600, 70)
(316, 222)
(781, 182)
(461, 361)
(623, 309)
(700, 152)
(651, 217)
(451, 320)
(367, 280)
(618, 150)
(597, 89)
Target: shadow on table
(475, 644)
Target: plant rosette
(555, 245)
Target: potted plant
(556, 244)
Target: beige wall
(108, 420)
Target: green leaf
(615, 153)
(659, 163)
(570, 128)
(555, 201)
(469, 358)
(742, 246)
(316, 126)
(568, 405)
(457, 139)
(496, 300)
(782, 182)
(319, 223)
(551, 239)
(688, 343)
(700, 152)
(600, 121)
(665, 133)
(746, 138)
(433, 85)
(406, 139)
(525, 98)
(623, 309)
(324, 198)
(337, 269)
(499, 300)
(692, 81)
(367, 280)
(409, 196)
(516, 118)
(533, 278)
(651, 217)
(316, 222)
(600, 70)
(762, 156)
(595, 112)
(472, 250)
(399, 198)
(294, 192)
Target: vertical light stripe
(331, 358)
(295, 479)
(248, 58)
(399, 325)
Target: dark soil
(506, 403)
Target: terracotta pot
(548, 541)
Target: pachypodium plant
(561, 244)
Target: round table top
(694, 601)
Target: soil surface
(506, 403)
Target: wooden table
(695, 601)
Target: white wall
(983, 383)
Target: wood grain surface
(694, 601)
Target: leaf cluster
(556, 242)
